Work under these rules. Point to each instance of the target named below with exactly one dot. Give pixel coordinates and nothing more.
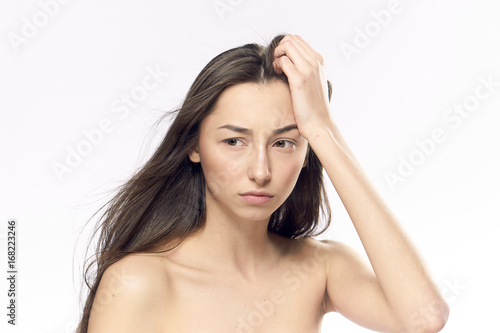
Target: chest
(285, 300)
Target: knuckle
(286, 42)
(311, 71)
(301, 80)
(285, 39)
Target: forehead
(254, 105)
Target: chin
(252, 215)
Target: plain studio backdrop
(416, 93)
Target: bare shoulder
(338, 251)
(327, 251)
(130, 296)
(342, 261)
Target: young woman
(213, 234)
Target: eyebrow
(248, 131)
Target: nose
(259, 169)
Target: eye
(233, 142)
(284, 144)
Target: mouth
(255, 197)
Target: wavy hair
(164, 202)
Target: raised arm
(397, 295)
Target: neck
(237, 244)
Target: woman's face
(250, 143)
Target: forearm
(401, 275)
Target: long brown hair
(164, 202)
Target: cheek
(219, 169)
(287, 171)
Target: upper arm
(353, 289)
(127, 298)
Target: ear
(194, 155)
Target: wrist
(326, 141)
(320, 132)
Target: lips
(256, 197)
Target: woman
(213, 234)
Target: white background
(67, 76)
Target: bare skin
(235, 276)
(188, 291)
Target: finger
(295, 52)
(285, 65)
(304, 47)
(309, 49)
